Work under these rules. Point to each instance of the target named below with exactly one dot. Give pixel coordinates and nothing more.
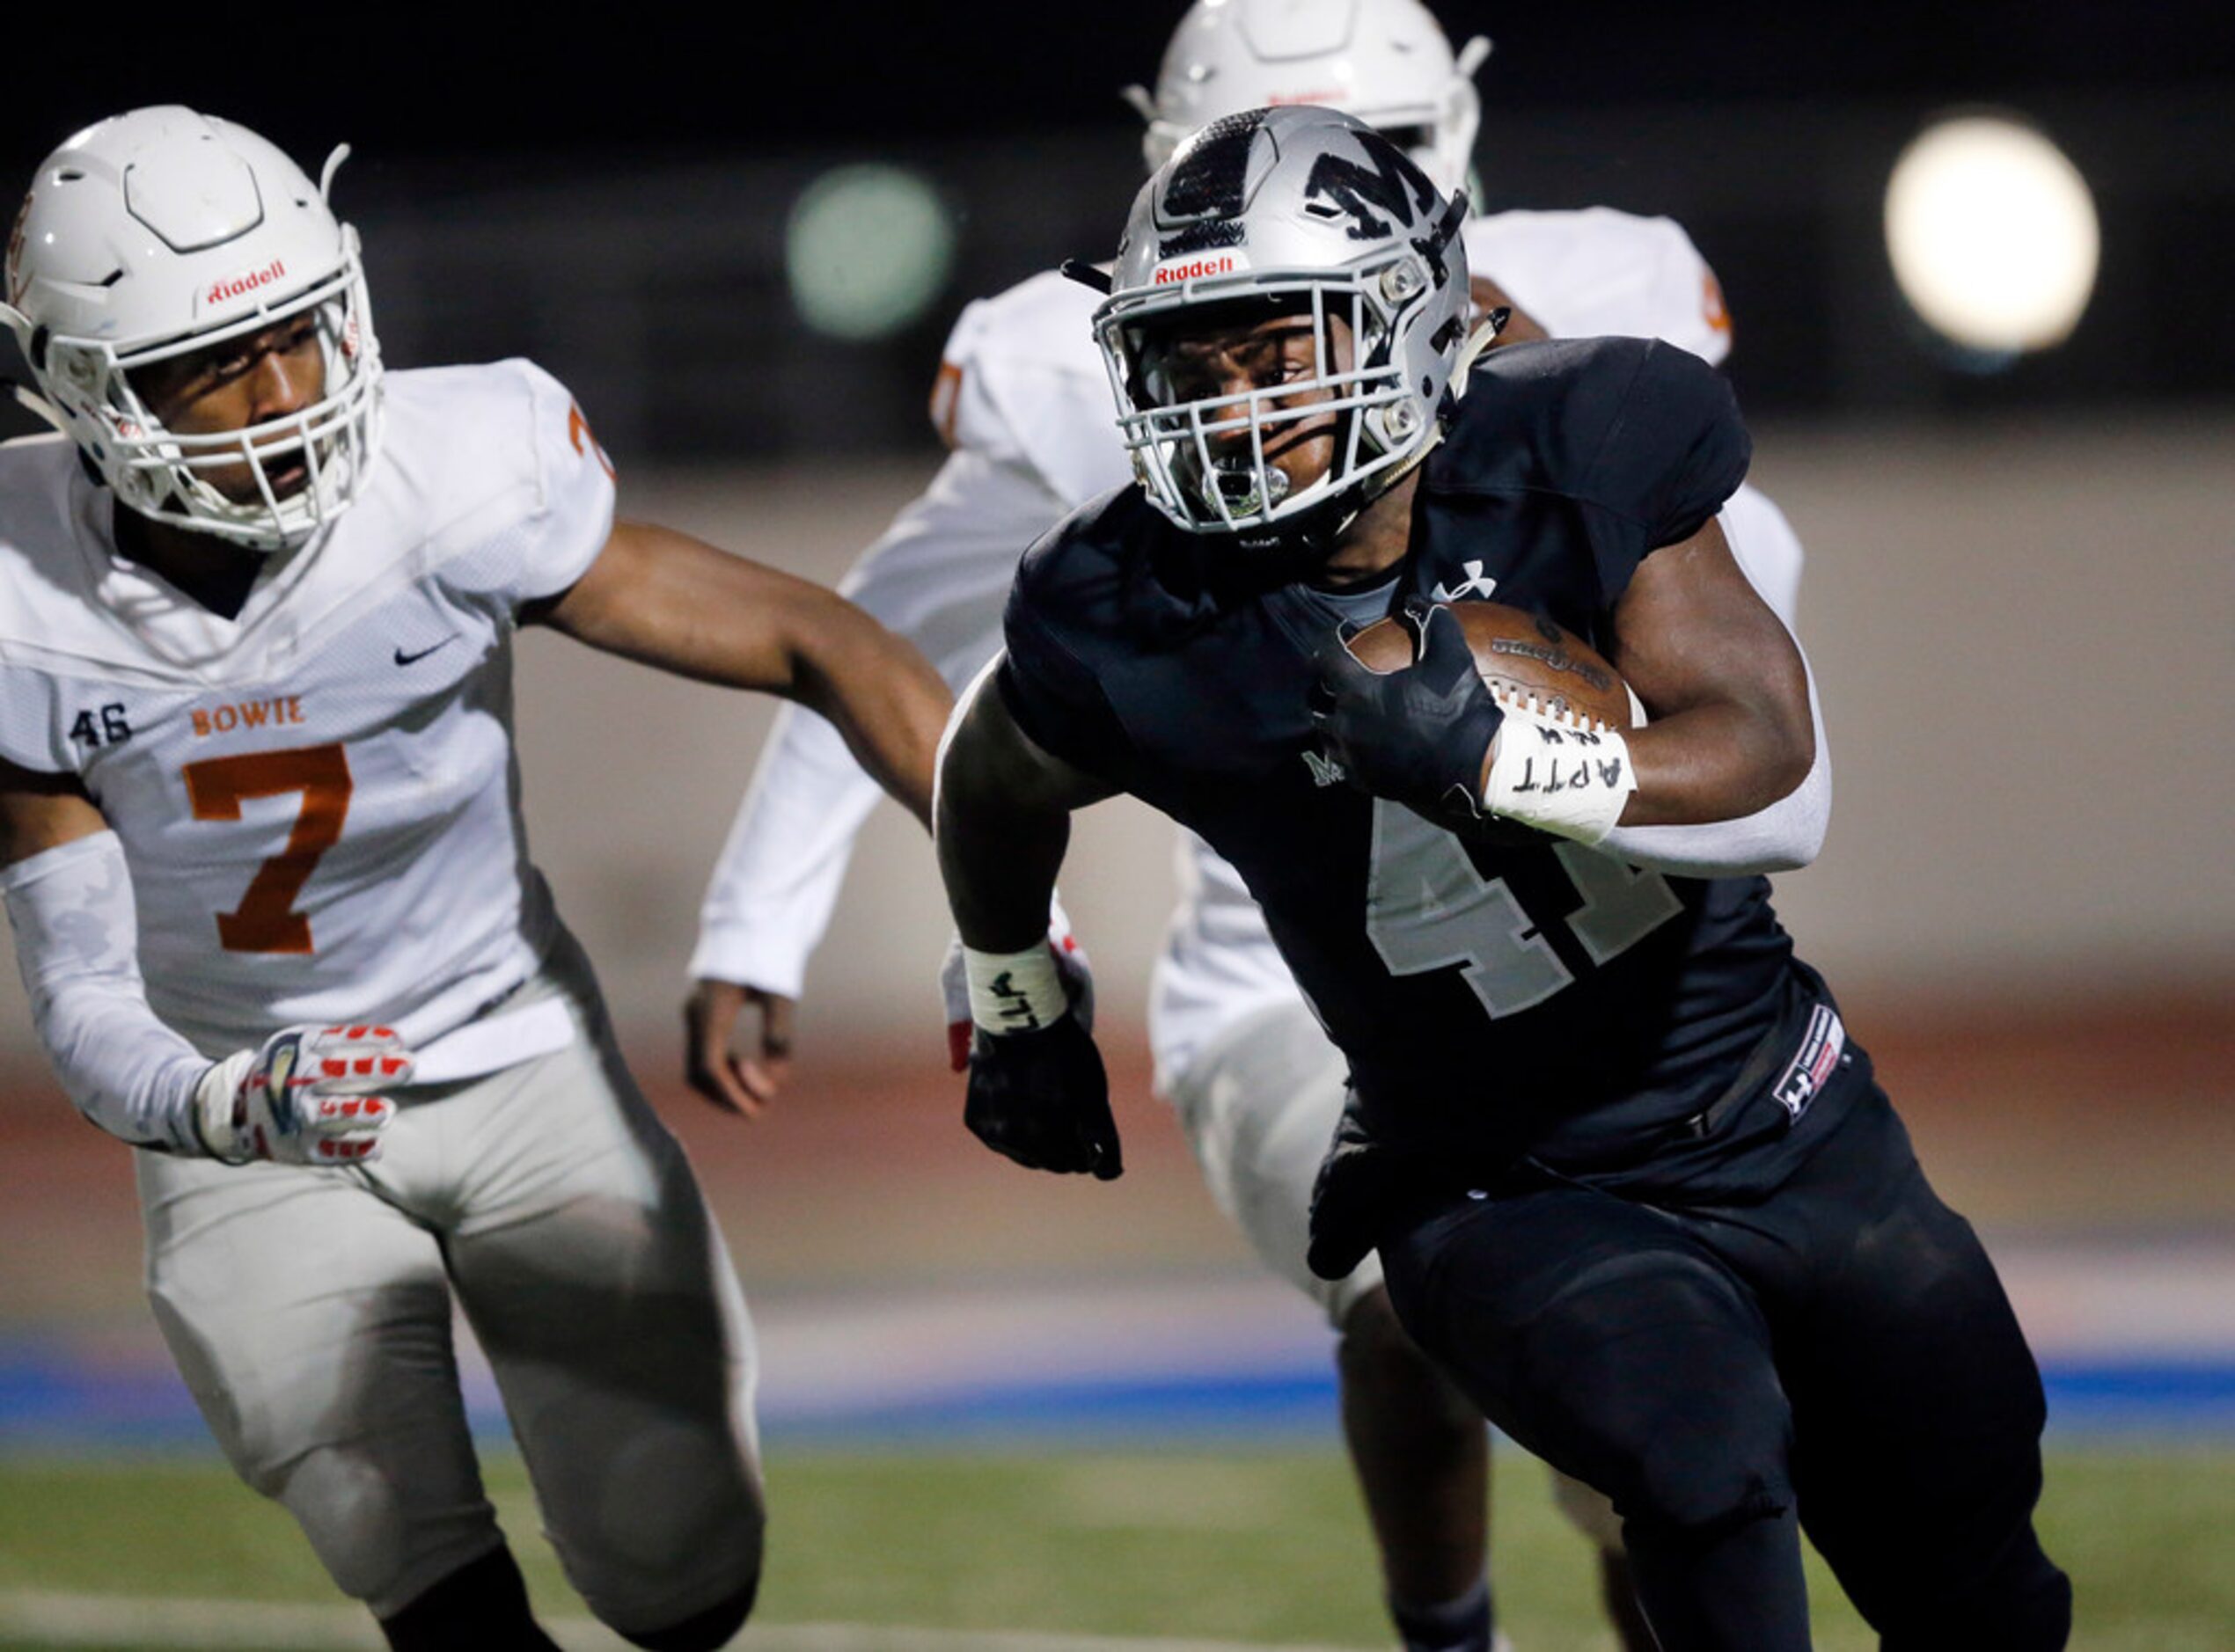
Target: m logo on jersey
(1339, 187)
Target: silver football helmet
(1295, 210)
(1387, 61)
(162, 231)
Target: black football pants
(1836, 1351)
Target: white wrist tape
(1014, 991)
(77, 945)
(1564, 776)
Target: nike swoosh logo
(406, 658)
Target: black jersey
(1492, 1001)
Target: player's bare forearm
(1725, 689)
(881, 694)
(39, 812)
(671, 600)
(1003, 822)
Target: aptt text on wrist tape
(1567, 778)
(1014, 991)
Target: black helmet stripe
(1204, 196)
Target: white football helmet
(162, 231)
(1302, 210)
(1387, 61)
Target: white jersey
(1024, 401)
(318, 799)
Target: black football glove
(1419, 734)
(1042, 1099)
(1351, 1198)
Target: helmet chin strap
(1481, 339)
(33, 402)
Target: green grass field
(1226, 1544)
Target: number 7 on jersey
(266, 920)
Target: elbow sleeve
(1782, 837)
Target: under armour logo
(1324, 770)
(1474, 585)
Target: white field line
(64, 1620)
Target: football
(1521, 657)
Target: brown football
(1521, 656)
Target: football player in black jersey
(1630, 1179)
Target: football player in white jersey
(1024, 401)
(261, 848)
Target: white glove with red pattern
(306, 1096)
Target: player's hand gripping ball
(1412, 703)
(1522, 658)
(1417, 729)
(307, 1095)
(1042, 1099)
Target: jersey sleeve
(1021, 383)
(31, 731)
(1050, 690)
(1673, 451)
(574, 512)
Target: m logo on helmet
(1202, 197)
(1338, 187)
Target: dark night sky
(869, 76)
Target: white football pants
(310, 1311)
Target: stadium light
(1993, 235)
(866, 251)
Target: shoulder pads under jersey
(1581, 275)
(1021, 383)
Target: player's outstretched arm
(1038, 1092)
(305, 1096)
(671, 600)
(1727, 692)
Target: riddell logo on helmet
(1169, 272)
(239, 286)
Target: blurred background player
(1024, 401)
(266, 868)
